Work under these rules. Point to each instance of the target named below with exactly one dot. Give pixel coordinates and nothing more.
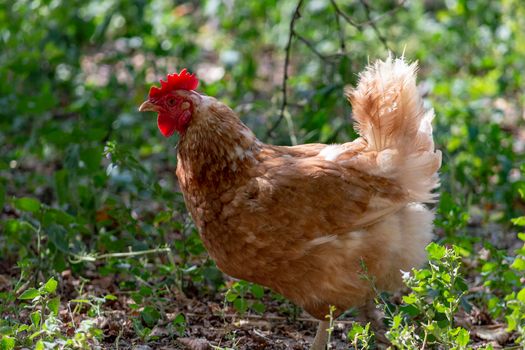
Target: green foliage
(515, 301)
(43, 329)
(245, 296)
(87, 186)
(360, 336)
(427, 313)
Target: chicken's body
(289, 219)
(309, 221)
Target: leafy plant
(427, 313)
(245, 296)
(361, 337)
(515, 301)
(44, 329)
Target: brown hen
(307, 220)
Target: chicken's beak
(148, 106)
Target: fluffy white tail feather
(390, 117)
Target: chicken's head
(174, 102)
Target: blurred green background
(83, 174)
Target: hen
(308, 221)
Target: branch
(345, 16)
(370, 20)
(384, 14)
(95, 257)
(373, 24)
(340, 29)
(284, 87)
(312, 47)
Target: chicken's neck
(216, 151)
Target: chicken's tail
(390, 116)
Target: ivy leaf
(35, 318)
(240, 305)
(257, 291)
(27, 204)
(463, 337)
(54, 305)
(150, 315)
(518, 264)
(231, 296)
(258, 307)
(435, 251)
(521, 295)
(7, 343)
(51, 285)
(29, 294)
(519, 221)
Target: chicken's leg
(321, 337)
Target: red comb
(181, 81)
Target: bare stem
(284, 87)
(373, 24)
(95, 257)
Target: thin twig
(359, 25)
(312, 47)
(373, 24)
(95, 257)
(340, 30)
(327, 58)
(384, 14)
(284, 87)
(345, 16)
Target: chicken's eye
(171, 102)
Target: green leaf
(231, 296)
(511, 323)
(27, 204)
(258, 307)
(54, 305)
(356, 330)
(257, 291)
(518, 264)
(7, 343)
(435, 251)
(396, 322)
(463, 337)
(58, 236)
(145, 291)
(179, 319)
(521, 295)
(51, 285)
(519, 221)
(410, 299)
(29, 294)
(23, 328)
(411, 310)
(150, 315)
(35, 318)
(240, 305)
(39, 345)
(35, 335)
(163, 216)
(461, 284)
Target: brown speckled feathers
(302, 220)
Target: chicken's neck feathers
(217, 148)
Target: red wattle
(166, 124)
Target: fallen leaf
(195, 343)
